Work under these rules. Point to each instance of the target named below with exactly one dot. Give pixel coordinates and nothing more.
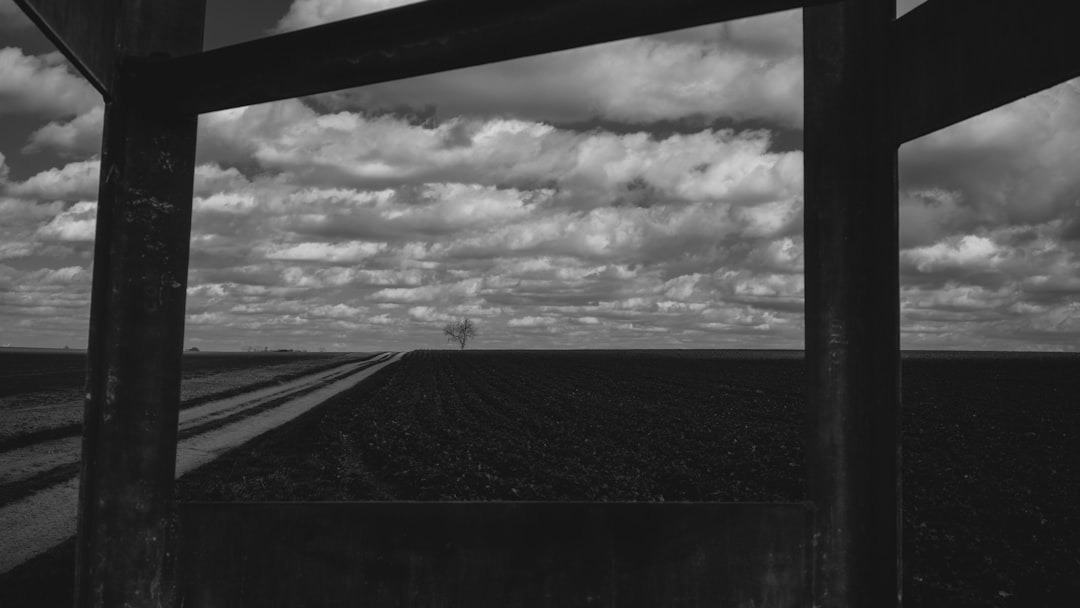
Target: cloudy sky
(645, 193)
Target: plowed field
(991, 457)
(991, 450)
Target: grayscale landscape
(991, 474)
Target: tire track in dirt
(35, 467)
(73, 429)
(46, 518)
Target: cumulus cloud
(636, 81)
(325, 252)
(20, 219)
(73, 181)
(312, 220)
(212, 178)
(76, 224)
(1016, 164)
(428, 212)
(17, 249)
(532, 322)
(367, 219)
(43, 86)
(988, 208)
(308, 13)
(230, 203)
(1004, 288)
(18, 212)
(328, 224)
(745, 69)
(428, 314)
(234, 135)
(80, 136)
(966, 251)
(61, 276)
(439, 292)
(228, 136)
(351, 150)
(49, 303)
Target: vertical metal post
(852, 308)
(126, 544)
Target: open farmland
(28, 370)
(542, 425)
(40, 426)
(223, 409)
(41, 391)
(991, 463)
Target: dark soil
(991, 467)
(537, 426)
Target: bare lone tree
(460, 331)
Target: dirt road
(43, 513)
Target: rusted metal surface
(125, 547)
(954, 59)
(494, 554)
(422, 38)
(852, 309)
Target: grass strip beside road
(44, 579)
(270, 404)
(17, 490)
(296, 461)
(70, 430)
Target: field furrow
(991, 466)
(36, 495)
(49, 406)
(991, 461)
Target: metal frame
(958, 58)
(851, 253)
(872, 82)
(422, 38)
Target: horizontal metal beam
(83, 31)
(955, 59)
(494, 554)
(96, 36)
(422, 38)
